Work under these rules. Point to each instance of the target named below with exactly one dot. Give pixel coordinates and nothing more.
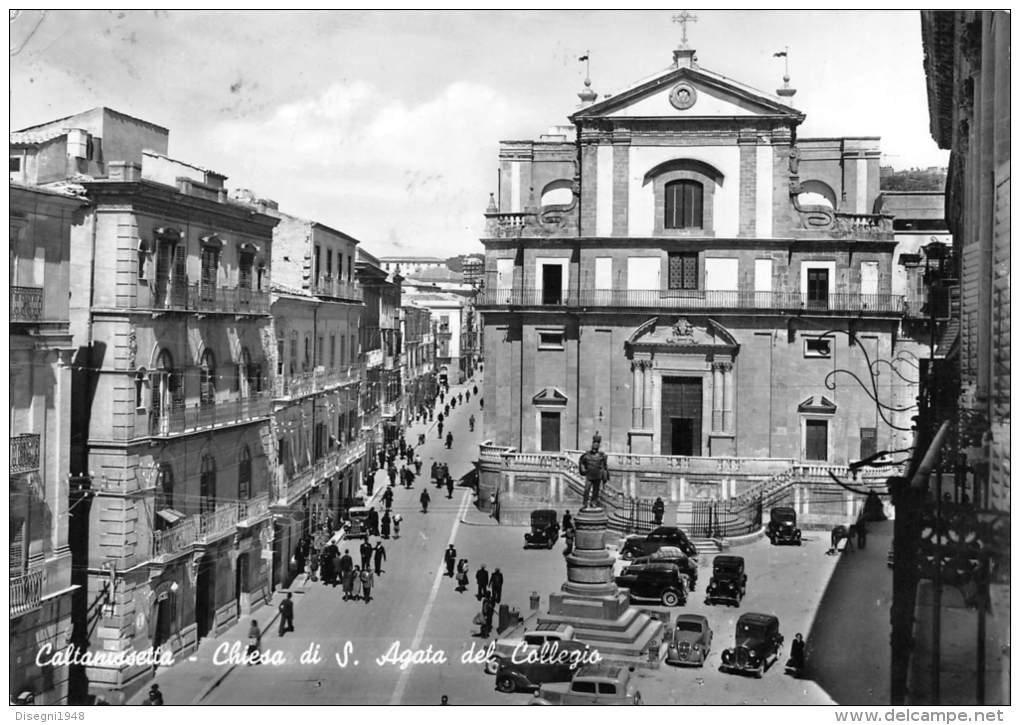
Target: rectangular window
(244, 269)
(550, 340)
(15, 163)
(643, 275)
(552, 284)
(816, 440)
(603, 273)
(342, 358)
(210, 266)
(332, 351)
(504, 274)
(550, 433)
(869, 442)
(763, 275)
(683, 271)
(817, 347)
(721, 274)
(329, 263)
(320, 350)
(869, 278)
(683, 205)
(315, 265)
(817, 287)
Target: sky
(386, 124)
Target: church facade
(680, 273)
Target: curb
(205, 691)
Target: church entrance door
(681, 417)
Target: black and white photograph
(422, 357)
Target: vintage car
(782, 528)
(592, 685)
(655, 581)
(690, 641)
(533, 639)
(728, 583)
(545, 529)
(758, 645)
(674, 555)
(527, 669)
(638, 545)
(356, 525)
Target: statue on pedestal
(594, 466)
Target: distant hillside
(931, 179)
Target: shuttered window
(16, 555)
(683, 271)
(816, 440)
(684, 205)
(244, 475)
(244, 271)
(207, 485)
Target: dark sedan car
(728, 583)
(553, 662)
(758, 645)
(545, 529)
(636, 546)
(782, 528)
(655, 581)
(674, 555)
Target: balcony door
(210, 267)
(818, 288)
(816, 440)
(550, 433)
(552, 284)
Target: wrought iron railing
(210, 299)
(187, 419)
(26, 304)
(253, 510)
(24, 453)
(684, 300)
(301, 384)
(26, 591)
(336, 288)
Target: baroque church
(680, 273)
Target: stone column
(717, 396)
(727, 413)
(637, 385)
(646, 398)
(590, 565)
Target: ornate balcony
(205, 528)
(204, 299)
(216, 524)
(185, 420)
(688, 300)
(550, 221)
(302, 384)
(24, 453)
(26, 304)
(252, 511)
(26, 591)
(297, 485)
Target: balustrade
(24, 453)
(207, 299)
(26, 591)
(307, 383)
(187, 419)
(26, 304)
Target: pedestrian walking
(387, 497)
(449, 486)
(450, 557)
(379, 556)
(367, 582)
(462, 575)
(347, 579)
(481, 403)
(496, 585)
(382, 459)
(862, 533)
(346, 562)
(421, 439)
(385, 524)
(658, 509)
(356, 583)
(417, 464)
(568, 522)
(156, 697)
(370, 483)
(434, 472)
(326, 566)
(441, 417)
(467, 396)
(254, 644)
(446, 409)
(482, 580)
(471, 422)
(392, 473)
(449, 440)
(424, 498)
(460, 398)
(366, 553)
(373, 521)
(396, 525)
(287, 615)
(568, 534)
(440, 429)
(336, 565)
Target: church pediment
(689, 93)
(550, 396)
(817, 404)
(683, 332)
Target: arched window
(167, 386)
(248, 375)
(207, 379)
(244, 475)
(684, 205)
(293, 351)
(207, 485)
(164, 495)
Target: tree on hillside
(931, 179)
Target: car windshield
(727, 569)
(751, 629)
(688, 627)
(783, 516)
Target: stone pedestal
(591, 602)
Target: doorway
(552, 284)
(550, 433)
(816, 440)
(818, 288)
(163, 617)
(240, 580)
(205, 587)
(681, 417)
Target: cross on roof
(683, 18)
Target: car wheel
(670, 598)
(506, 684)
(760, 671)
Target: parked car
(357, 522)
(543, 633)
(782, 528)
(552, 662)
(545, 529)
(638, 545)
(592, 685)
(655, 581)
(690, 641)
(728, 584)
(674, 555)
(758, 645)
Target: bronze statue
(595, 468)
